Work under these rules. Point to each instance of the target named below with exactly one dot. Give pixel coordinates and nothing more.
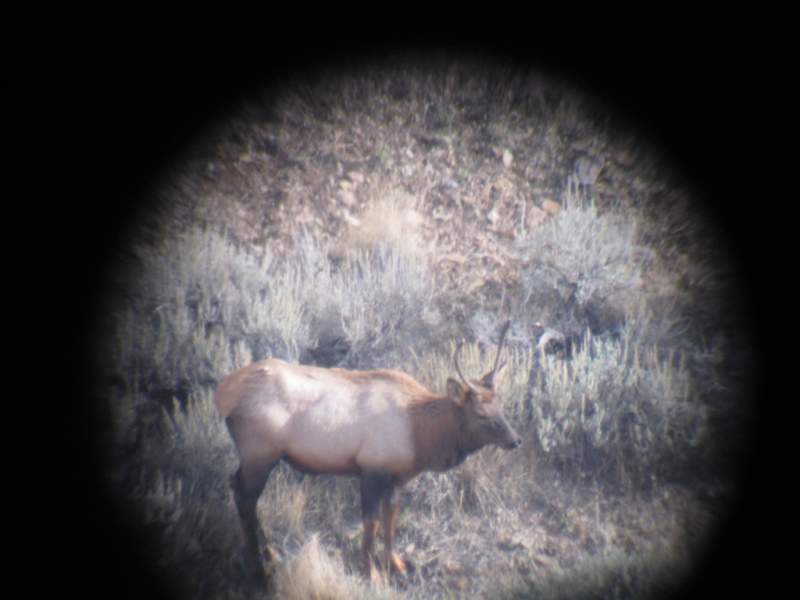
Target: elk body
(381, 426)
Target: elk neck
(440, 435)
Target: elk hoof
(397, 564)
(372, 573)
(269, 554)
(374, 576)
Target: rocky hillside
(460, 161)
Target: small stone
(456, 258)
(587, 169)
(451, 566)
(353, 221)
(534, 217)
(356, 176)
(551, 207)
(626, 158)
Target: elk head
(484, 420)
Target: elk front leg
(389, 509)
(246, 491)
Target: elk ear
(455, 391)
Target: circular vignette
(177, 163)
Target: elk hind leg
(389, 509)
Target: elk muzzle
(510, 439)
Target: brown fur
(437, 426)
(403, 382)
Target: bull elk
(380, 425)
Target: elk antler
(458, 370)
(503, 333)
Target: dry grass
(312, 575)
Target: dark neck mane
(439, 433)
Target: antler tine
(458, 369)
(503, 333)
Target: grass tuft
(313, 575)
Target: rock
(305, 216)
(534, 216)
(543, 561)
(350, 219)
(625, 158)
(551, 207)
(451, 566)
(477, 283)
(356, 177)
(587, 169)
(453, 257)
(508, 543)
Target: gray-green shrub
(617, 411)
(576, 261)
(204, 307)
